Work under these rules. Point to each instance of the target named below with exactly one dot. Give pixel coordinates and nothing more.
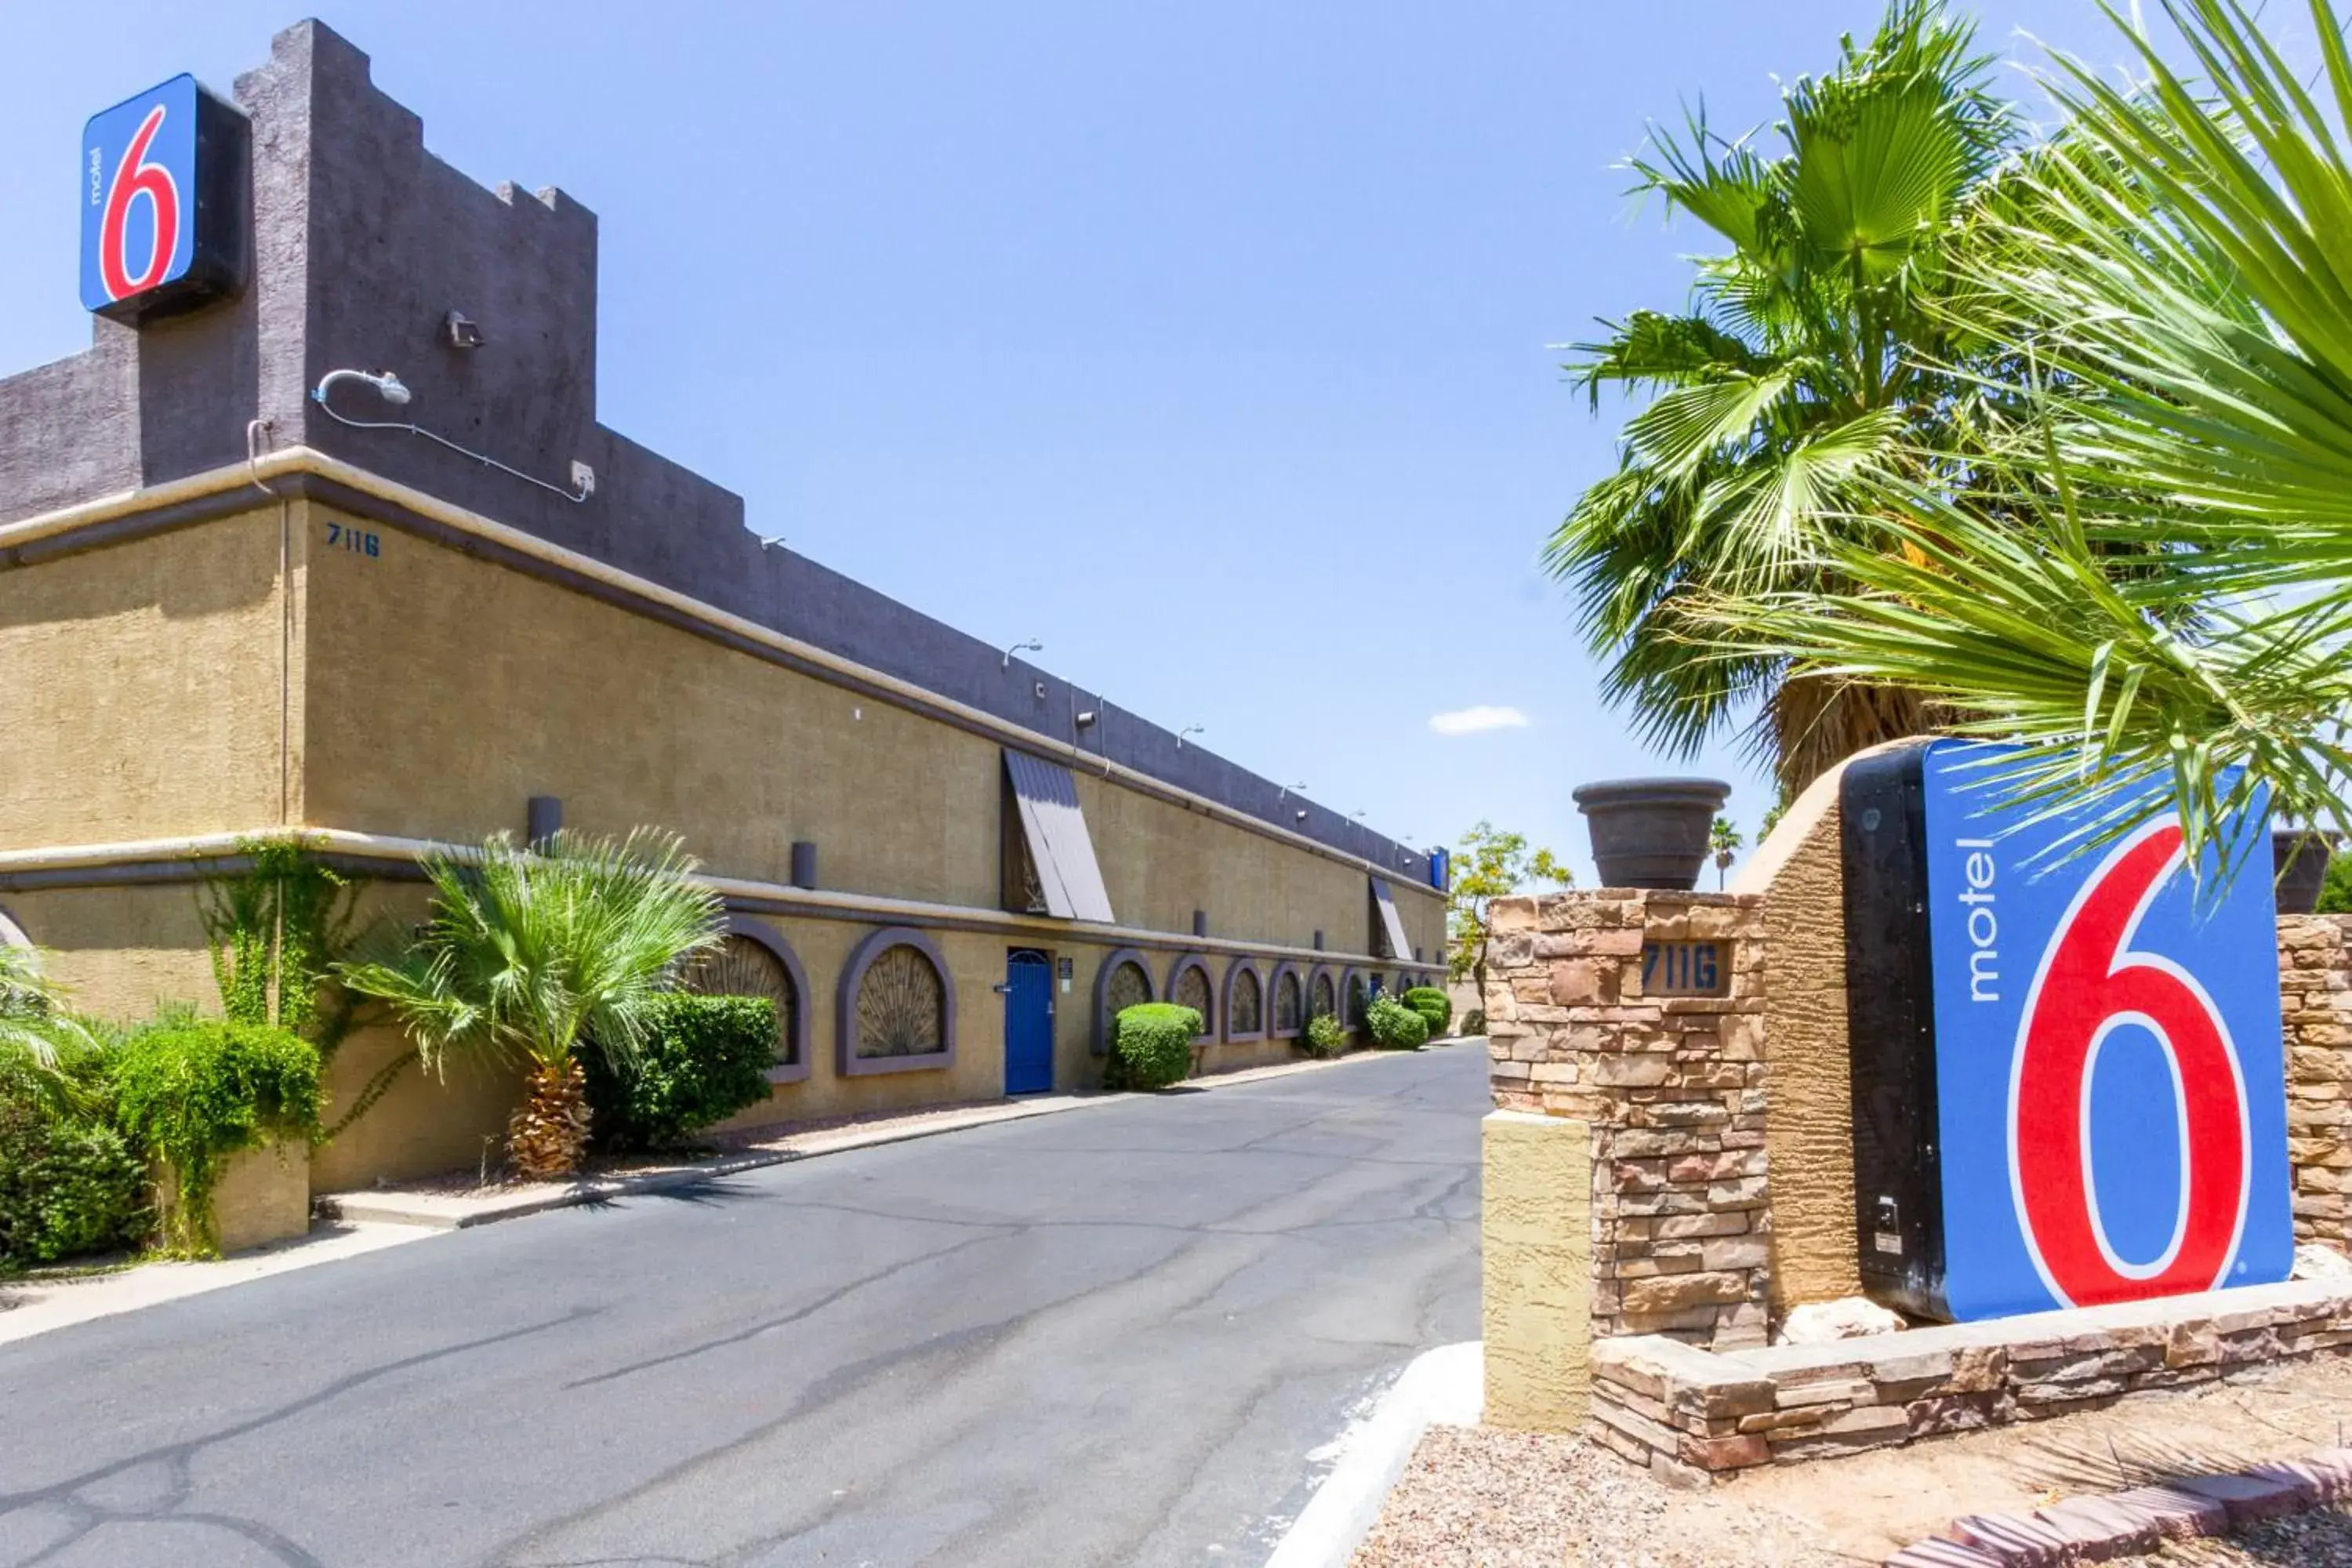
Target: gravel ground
(2321, 1540)
(1478, 1497)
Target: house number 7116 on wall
(1682, 969)
(359, 540)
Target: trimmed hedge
(1433, 1005)
(191, 1092)
(702, 1059)
(1395, 1027)
(1151, 1046)
(69, 1183)
(1323, 1036)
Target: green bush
(1395, 1027)
(1151, 1046)
(68, 1182)
(191, 1092)
(1474, 1021)
(1324, 1036)
(1433, 1005)
(702, 1059)
(2335, 887)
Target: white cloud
(1475, 720)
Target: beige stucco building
(226, 612)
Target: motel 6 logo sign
(2109, 1067)
(161, 182)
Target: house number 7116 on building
(359, 540)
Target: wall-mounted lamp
(1302, 814)
(770, 540)
(392, 390)
(1189, 729)
(1032, 645)
(1285, 792)
(388, 386)
(463, 332)
(1085, 717)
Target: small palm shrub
(702, 1059)
(1323, 1036)
(1474, 1021)
(69, 1182)
(1395, 1027)
(1151, 1046)
(1433, 1005)
(40, 1040)
(532, 952)
(190, 1092)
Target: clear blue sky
(1204, 341)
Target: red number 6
(135, 177)
(2090, 982)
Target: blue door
(1028, 1021)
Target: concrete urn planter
(2299, 859)
(1650, 833)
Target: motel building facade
(246, 594)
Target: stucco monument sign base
(1670, 1171)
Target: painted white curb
(1447, 1385)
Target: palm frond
(40, 1038)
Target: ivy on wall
(276, 927)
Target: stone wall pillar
(2315, 1004)
(1670, 1087)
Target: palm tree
(38, 1038)
(1810, 361)
(2175, 613)
(531, 952)
(1723, 839)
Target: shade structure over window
(1388, 926)
(1047, 799)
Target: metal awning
(1391, 923)
(1060, 846)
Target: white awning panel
(1391, 923)
(1060, 846)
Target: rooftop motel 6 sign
(162, 179)
(2103, 1055)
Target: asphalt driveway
(1106, 1337)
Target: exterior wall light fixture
(392, 390)
(1032, 645)
(1189, 729)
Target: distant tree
(1488, 864)
(1723, 839)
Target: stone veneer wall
(1691, 1414)
(2316, 1001)
(1672, 1089)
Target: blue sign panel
(138, 195)
(162, 183)
(2109, 1074)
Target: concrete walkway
(1108, 1338)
